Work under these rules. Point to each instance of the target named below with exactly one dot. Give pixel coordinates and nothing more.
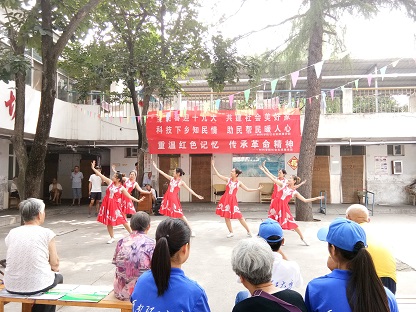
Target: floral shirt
(132, 257)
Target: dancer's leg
(297, 230)
(110, 230)
(127, 227)
(229, 226)
(90, 207)
(244, 224)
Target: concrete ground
(86, 258)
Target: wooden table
(145, 205)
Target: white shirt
(147, 180)
(58, 186)
(28, 269)
(95, 183)
(285, 274)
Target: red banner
(224, 132)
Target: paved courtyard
(86, 258)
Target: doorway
(352, 177)
(168, 164)
(200, 178)
(321, 178)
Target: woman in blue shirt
(165, 287)
(353, 285)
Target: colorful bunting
(273, 84)
(369, 78)
(332, 91)
(318, 68)
(231, 100)
(247, 95)
(383, 72)
(295, 76)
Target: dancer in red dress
(279, 206)
(110, 212)
(129, 184)
(228, 205)
(171, 206)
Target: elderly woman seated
(31, 256)
(252, 260)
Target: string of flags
(294, 77)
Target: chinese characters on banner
(198, 132)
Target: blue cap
(270, 227)
(343, 233)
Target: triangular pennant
(121, 120)
(310, 101)
(231, 99)
(383, 72)
(342, 89)
(133, 118)
(356, 83)
(144, 119)
(247, 95)
(369, 78)
(394, 64)
(217, 104)
(127, 119)
(138, 119)
(295, 76)
(332, 91)
(318, 68)
(273, 84)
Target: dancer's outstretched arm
(307, 200)
(137, 187)
(217, 173)
(127, 194)
(115, 171)
(272, 177)
(103, 177)
(250, 189)
(162, 173)
(191, 190)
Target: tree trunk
(19, 145)
(312, 113)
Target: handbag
(282, 303)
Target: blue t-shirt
(329, 293)
(182, 294)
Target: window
(397, 166)
(349, 150)
(395, 150)
(249, 163)
(322, 151)
(131, 152)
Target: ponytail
(365, 292)
(171, 235)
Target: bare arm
(249, 189)
(103, 177)
(307, 200)
(161, 172)
(125, 193)
(191, 191)
(217, 173)
(299, 185)
(53, 256)
(137, 187)
(272, 177)
(89, 187)
(113, 167)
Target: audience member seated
(133, 256)
(31, 257)
(285, 274)
(353, 284)
(383, 258)
(154, 195)
(55, 192)
(13, 188)
(165, 287)
(252, 260)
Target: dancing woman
(171, 206)
(228, 205)
(129, 184)
(110, 212)
(279, 207)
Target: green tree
(34, 26)
(150, 44)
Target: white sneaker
(230, 235)
(193, 234)
(111, 240)
(249, 234)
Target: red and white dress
(171, 206)
(110, 211)
(228, 205)
(277, 189)
(127, 206)
(280, 210)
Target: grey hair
(140, 221)
(30, 208)
(253, 259)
